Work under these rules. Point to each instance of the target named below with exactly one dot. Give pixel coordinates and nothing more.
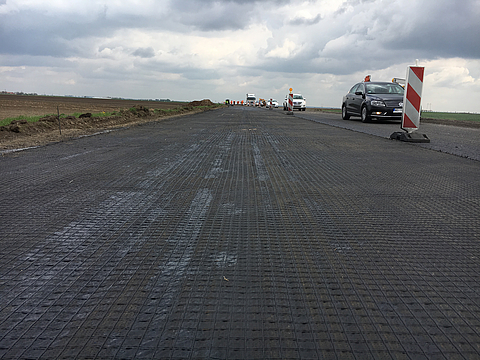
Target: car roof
(379, 82)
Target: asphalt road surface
(239, 233)
(460, 141)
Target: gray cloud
(379, 37)
(144, 52)
(305, 21)
(195, 4)
(219, 22)
(449, 30)
(49, 33)
(37, 33)
(212, 15)
(367, 38)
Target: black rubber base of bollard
(410, 137)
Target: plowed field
(17, 105)
(21, 134)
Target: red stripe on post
(419, 72)
(407, 123)
(413, 97)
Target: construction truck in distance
(251, 100)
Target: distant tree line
(85, 97)
(18, 93)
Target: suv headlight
(377, 103)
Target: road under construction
(239, 233)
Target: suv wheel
(365, 115)
(345, 114)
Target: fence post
(58, 117)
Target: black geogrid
(239, 234)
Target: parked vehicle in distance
(299, 102)
(273, 102)
(250, 101)
(374, 100)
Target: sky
(219, 49)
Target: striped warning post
(412, 98)
(290, 102)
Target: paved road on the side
(239, 233)
(460, 141)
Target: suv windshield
(297, 96)
(384, 89)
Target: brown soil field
(22, 105)
(23, 134)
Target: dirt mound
(49, 118)
(139, 110)
(204, 102)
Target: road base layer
(239, 233)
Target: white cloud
(450, 72)
(288, 49)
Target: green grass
(166, 111)
(7, 121)
(450, 116)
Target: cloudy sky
(218, 49)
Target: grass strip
(450, 116)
